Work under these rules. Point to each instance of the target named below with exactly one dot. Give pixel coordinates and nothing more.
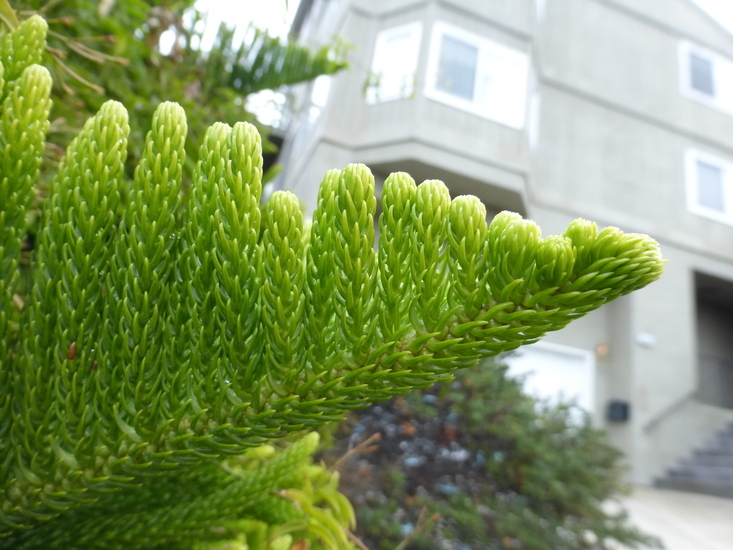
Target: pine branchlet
(158, 337)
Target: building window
(701, 74)
(709, 186)
(457, 67)
(706, 77)
(477, 75)
(394, 64)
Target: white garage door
(556, 373)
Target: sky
(273, 15)
(722, 10)
(277, 15)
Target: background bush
(502, 469)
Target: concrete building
(618, 111)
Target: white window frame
(722, 68)
(691, 159)
(409, 58)
(514, 118)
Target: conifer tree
(157, 339)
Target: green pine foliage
(154, 343)
(501, 469)
(265, 499)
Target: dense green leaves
(320, 273)
(23, 125)
(153, 341)
(23, 48)
(354, 262)
(237, 501)
(283, 299)
(396, 284)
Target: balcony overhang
(499, 186)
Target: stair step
(715, 458)
(725, 445)
(693, 486)
(709, 470)
(727, 431)
(716, 451)
(706, 473)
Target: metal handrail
(668, 410)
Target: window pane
(710, 186)
(701, 74)
(394, 64)
(457, 67)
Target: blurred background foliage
(110, 49)
(479, 464)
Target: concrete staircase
(709, 470)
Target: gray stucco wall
(621, 170)
(612, 130)
(627, 63)
(681, 16)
